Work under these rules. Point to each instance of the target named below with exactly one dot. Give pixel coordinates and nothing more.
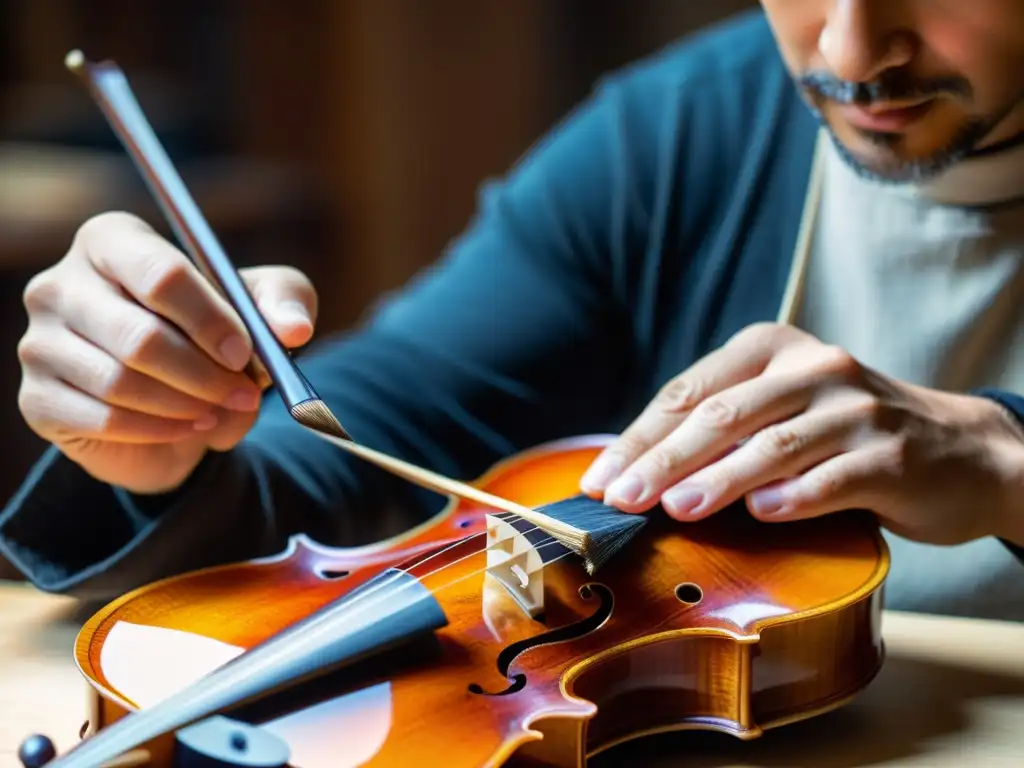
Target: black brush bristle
(607, 529)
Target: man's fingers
(857, 479)
(161, 278)
(52, 350)
(59, 413)
(710, 431)
(287, 299)
(778, 452)
(231, 427)
(148, 344)
(725, 367)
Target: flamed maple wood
(727, 624)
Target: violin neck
(392, 608)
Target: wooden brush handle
(111, 91)
(448, 486)
(424, 477)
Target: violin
(524, 624)
(474, 640)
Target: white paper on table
(146, 664)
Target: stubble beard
(894, 167)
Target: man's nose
(859, 41)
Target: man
(805, 310)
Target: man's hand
(132, 363)
(800, 429)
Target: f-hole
(689, 593)
(331, 574)
(569, 632)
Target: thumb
(287, 299)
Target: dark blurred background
(345, 137)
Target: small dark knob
(36, 751)
(239, 742)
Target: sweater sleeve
(1013, 403)
(511, 339)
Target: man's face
(907, 87)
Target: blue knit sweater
(654, 222)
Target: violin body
(727, 624)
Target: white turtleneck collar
(987, 178)
(925, 283)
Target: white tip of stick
(74, 60)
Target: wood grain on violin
(726, 624)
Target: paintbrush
(585, 526)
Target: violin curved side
(727, 624)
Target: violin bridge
(514, 561)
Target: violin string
(458, 542)
(547, 541)
(359, 600)
(362, 601)
(358, 604)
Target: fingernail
(242, 400)
(601, 472)
(681, 500)
(235, 352)
(766, 501)
(205, 423)
(626, 490)
(292, 313)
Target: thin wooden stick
(446, 485)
